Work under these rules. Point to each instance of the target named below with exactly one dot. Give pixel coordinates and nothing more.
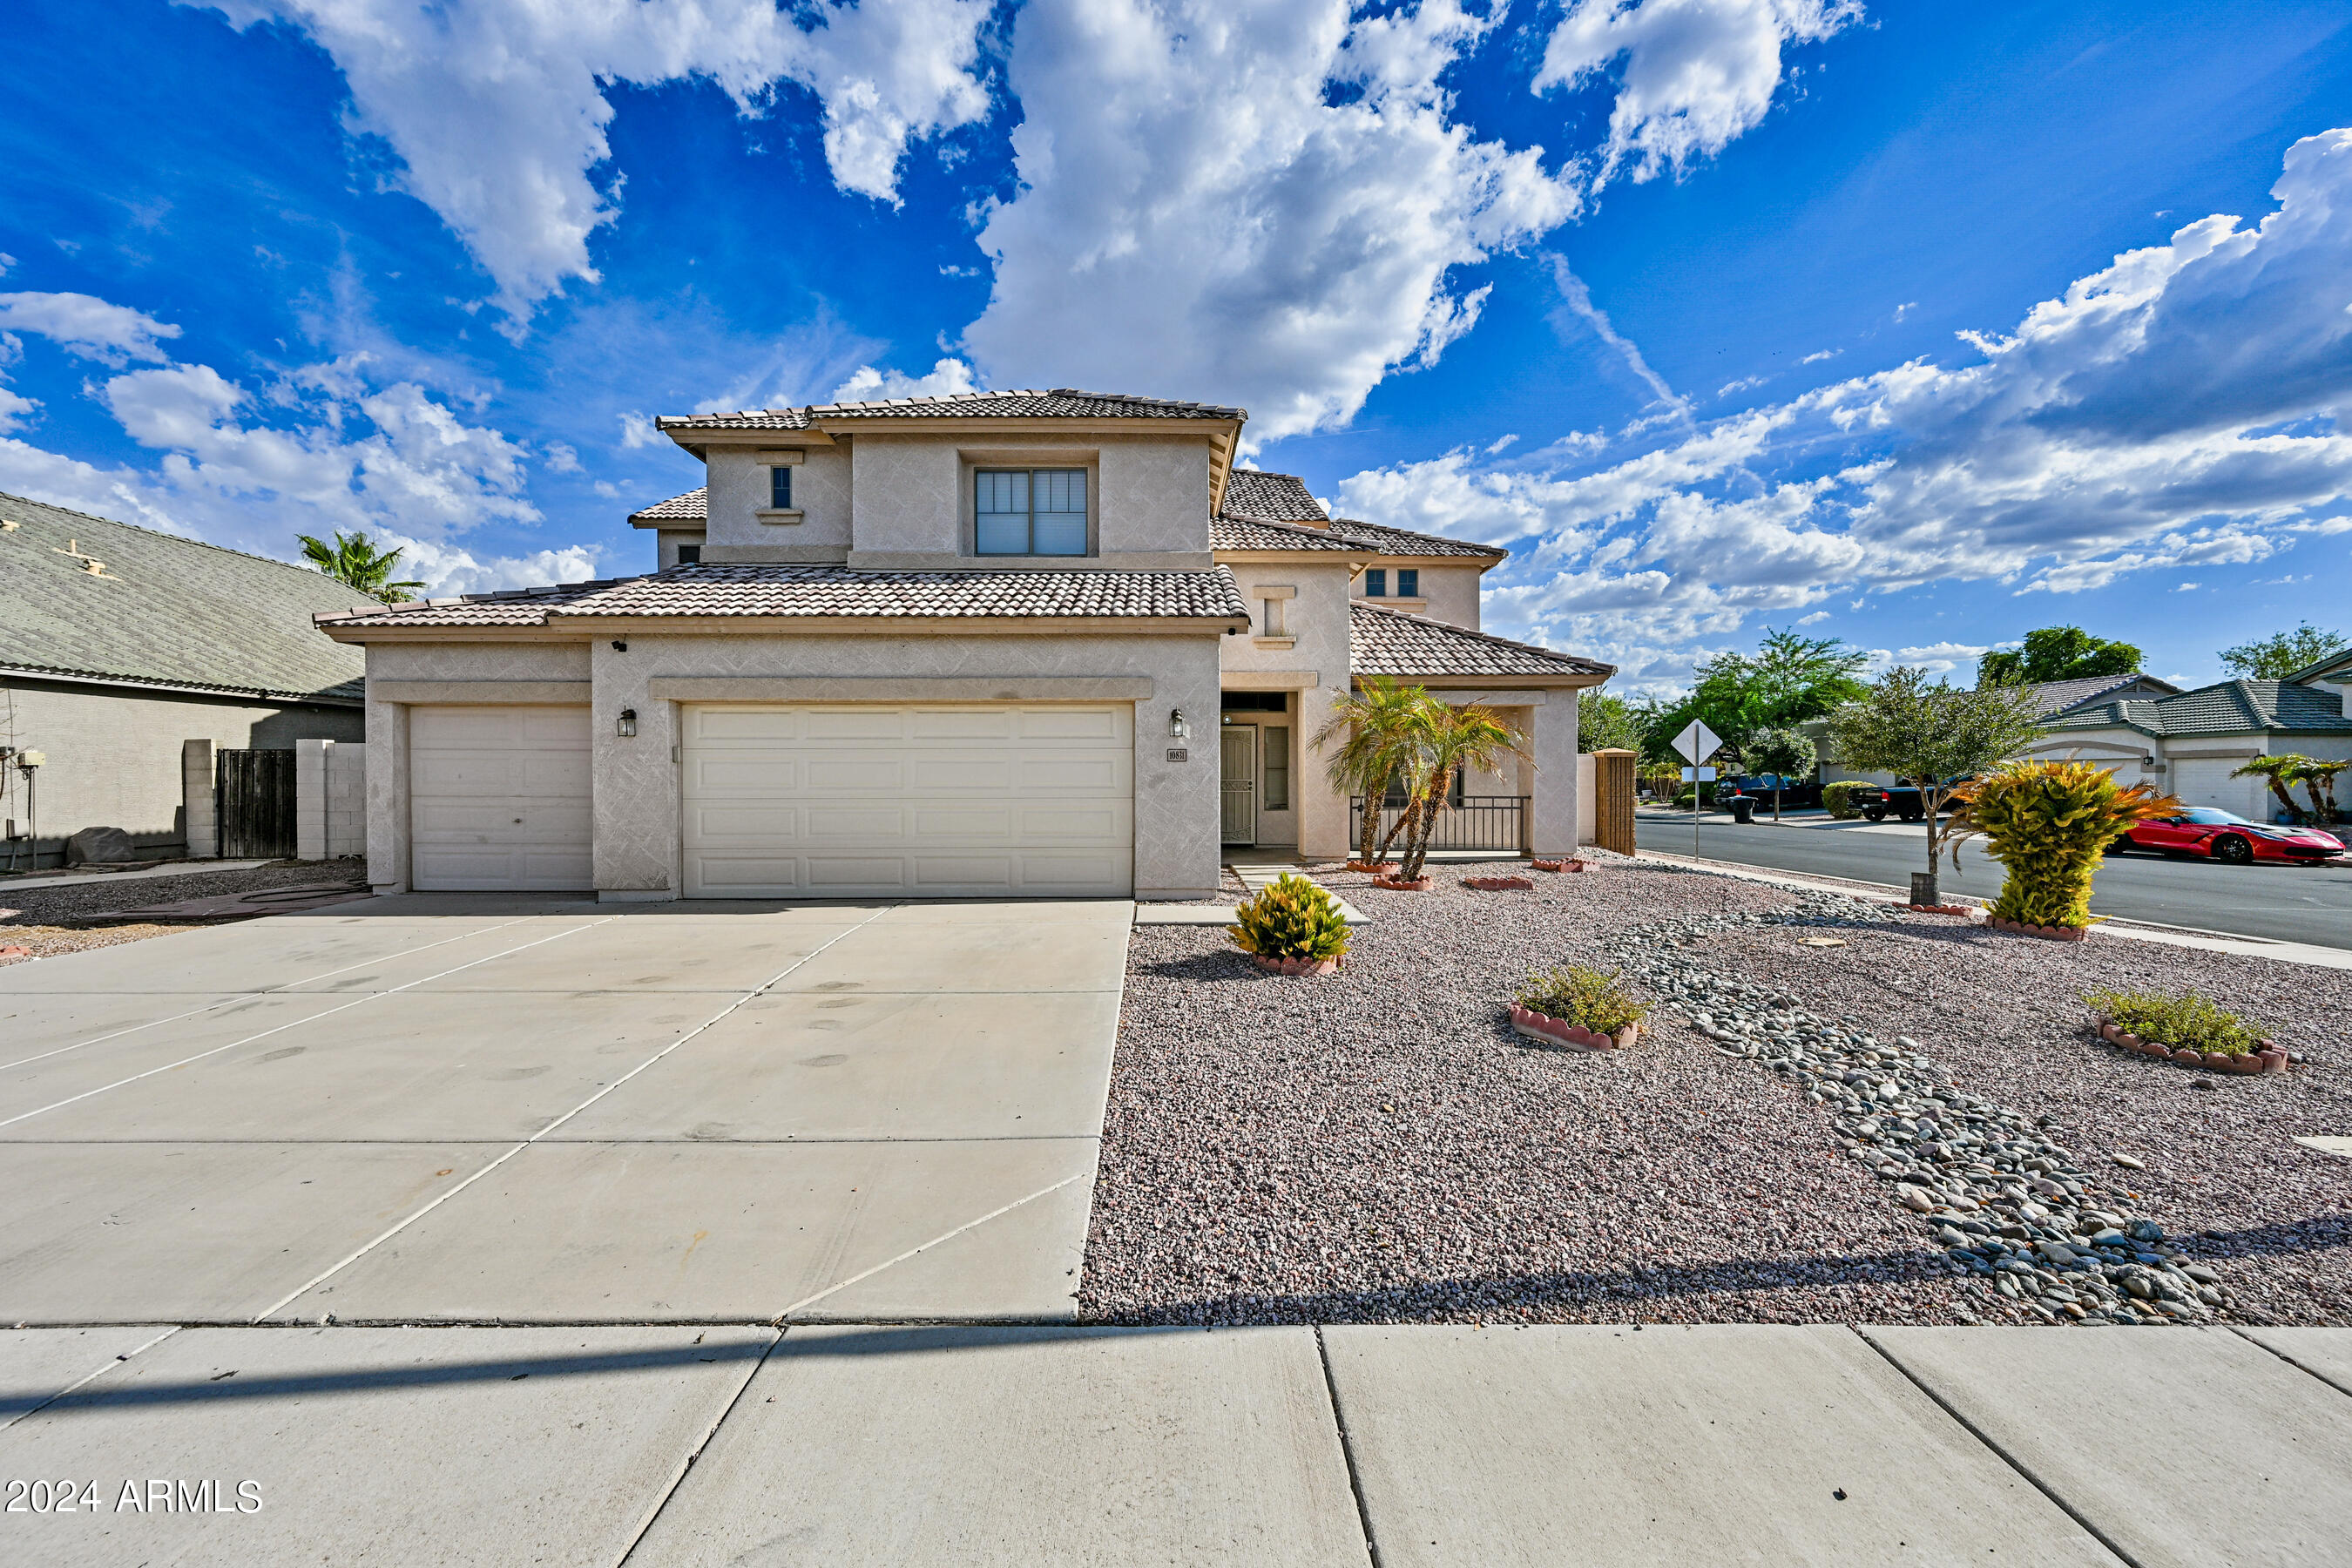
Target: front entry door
(1237, 777)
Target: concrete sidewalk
(972, 1445)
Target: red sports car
(2226, 836)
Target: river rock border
(2271, 1058)
(2013, 1210)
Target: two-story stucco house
(1043, 644)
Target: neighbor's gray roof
(1061, 403)
(1273, 498)
(164, 609)
(2225, 707)
(1381, 641)
(774, 590)
(2336, 663)
(694, 506)
(1255, 498)
(2058, 696)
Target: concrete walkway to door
(506, 1109)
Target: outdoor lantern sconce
(627, 727)
(1177, 725)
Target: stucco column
(199, 825)
(387, 796)
(1322, 810)
(1552, 743)
(310, 799)
(635, 778)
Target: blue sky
(1919, 325)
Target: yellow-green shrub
(2049, 824)
(1837, 799)
(1290, 918)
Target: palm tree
(1378, 738)
(355, 562)
(2278, 773)
(2318, 775)
(1472, 738)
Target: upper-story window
(779, 488)
(1376, 582)
(1030, 512)
(1408, 583)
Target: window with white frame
(1029, 512)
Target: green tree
(355, 562)
(1789, 679)
(2280, 654)
(1783, 753)
(1472, 738)
(1605, 722)
(2057, 653)
(1378, 738)
(2278, 773)
(1938, 737)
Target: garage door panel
(923, 800)
(2201, 782)
(499, 799)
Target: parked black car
(1904, 801)
(1796, 795)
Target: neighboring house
(2191, 743)
(118, 644)
(2052, 699)
(1019, 643)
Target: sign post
(1697, 742)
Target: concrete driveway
(487, 1109)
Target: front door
(1237, 777)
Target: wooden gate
(253, 799)
(1612, 805)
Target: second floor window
(1376, 582)
(779, 490)
(1030, 512)
(1408, 583)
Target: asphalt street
(2285, 903)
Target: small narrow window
(1408, 583)
(690, 555)
(1277, 766)
(1029, 512)
(1376, 584)
(779, 488)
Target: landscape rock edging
(2271, 1058)
(1553, 1031)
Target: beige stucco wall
(114, 754)
(739, 491)
(1316, 618)
(1148, 497)
(1449, 593)
(636, 780)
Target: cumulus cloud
(497, 108)
(85, 325)
(2176, 409)
(1259, 202)
(867, 384)
(1697, 74)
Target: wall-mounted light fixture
(1176, 726)
(619, 646)
(627, 726)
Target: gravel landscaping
(1379, 1145)
(31, 909)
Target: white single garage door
(2207, 781)
(920, 800)
(499, 799)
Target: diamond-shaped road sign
(1697, 741)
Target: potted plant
(1586, 1008)
(2189, 1029)
(1291, 927)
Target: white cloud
(562, 459)
(867, 384)
(637, 430)
(1261, 202)
(87, 326)
(446, 570)
(1823, 354)
(1697, 73)
(1816, 619)
(1936, 658)
(2138, 422)
(2186, 588)
(1578, 301)
(497, 108)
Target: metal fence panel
(1479, 822)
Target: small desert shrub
(1837, 799)
(2191, 1020)
(1291, 918)
(2049, 824)
(1592, 997)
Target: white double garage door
(797, 800)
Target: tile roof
(1060, 403)
(164, 609)
(2057, 696)
(1407, 542)
(1256, 533)
(1381, 641)
(776, 590)
(1253, 497)
(694, 506)
(2225, 707)
(1277, 497)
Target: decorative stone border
(1561, 865)
(2271, 1058)
(2047, 933)
(1399, 885)
(1934, 909)
(1296, 965)
(1499, 884)
(1553, 1031)
(1371, 867)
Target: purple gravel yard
(1379, 1146)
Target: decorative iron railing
(1477, 822)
